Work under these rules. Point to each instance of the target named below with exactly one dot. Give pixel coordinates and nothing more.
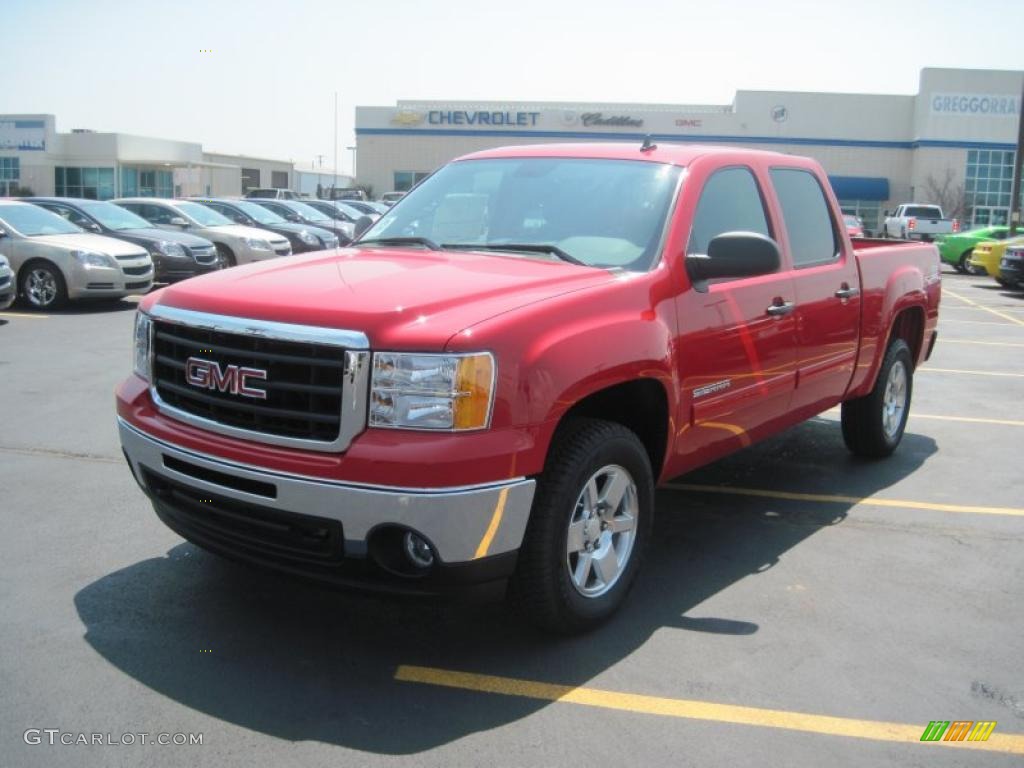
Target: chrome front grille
(205, 255)
(316, 381)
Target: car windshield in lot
(32, 221)
(204, 216)
(599, 212)
(114, 216)
(258, 213)
(307, 211)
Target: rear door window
(805, 212)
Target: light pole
(319, 172)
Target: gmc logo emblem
(207, 374)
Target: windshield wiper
(554, 250)
(424, 241)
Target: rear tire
(588, 528)
(873, 425)
(41, 286)
(963, 266)
(227, 255)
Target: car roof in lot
(676, 154)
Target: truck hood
(90, 242)
(400, 298)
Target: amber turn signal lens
(474, 382)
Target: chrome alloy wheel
(602, 530)
(894, 401)
(41, 287)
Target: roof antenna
(648, 145)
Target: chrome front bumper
(463, 524)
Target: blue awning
(860, 187)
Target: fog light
(418, 550)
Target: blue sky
(267, 86)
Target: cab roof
(674, 154)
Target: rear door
(827, 283)
(739, 335)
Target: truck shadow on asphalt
(300, 663)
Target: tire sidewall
(898, 352)
(62, 292)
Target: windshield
(603, 213)
(114, 216)
(308, 211)
(258, 213)
(923, 211)
(32, 221)
(202, 215)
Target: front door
(736, 370)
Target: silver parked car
(235, 243)
(53, 260)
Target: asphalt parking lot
(798, 605)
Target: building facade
(952, 143)
(35, 158)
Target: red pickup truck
(487, 387)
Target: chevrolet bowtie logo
(407, 117)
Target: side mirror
(91, 226)
(362, 224)
(179, 222)
(734, 254)
(3, 233)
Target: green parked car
(956, 249)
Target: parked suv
(55, 261)
(302, 213)
(303, 237)
(272, 194)
(176, 255)
(236, 244)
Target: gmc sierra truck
(485, 390)
(913, 221)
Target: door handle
(846, 292)
(780, 308)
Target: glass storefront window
(869, 212)
(987, 186)
(90, 183)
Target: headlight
(143, 331)
(424, 391)
(5, 266)
(173, 250)
(309, 238)
(93, 259)
(257, 245)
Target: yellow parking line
(983, 343)
(29, 316)
(855, 500)
(966, 419)
(974, 322)
(928, 368)
(995, 312)
(690, 709)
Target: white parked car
(53, 260)
(8, 287)
(236, 244)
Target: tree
(951, 197)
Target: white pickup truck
(918, 222)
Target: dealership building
(951, 143)
(93, 164)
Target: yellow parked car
(986, 257)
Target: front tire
(873, 425)
(42, 286)
(227, 255)
(588, 529)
